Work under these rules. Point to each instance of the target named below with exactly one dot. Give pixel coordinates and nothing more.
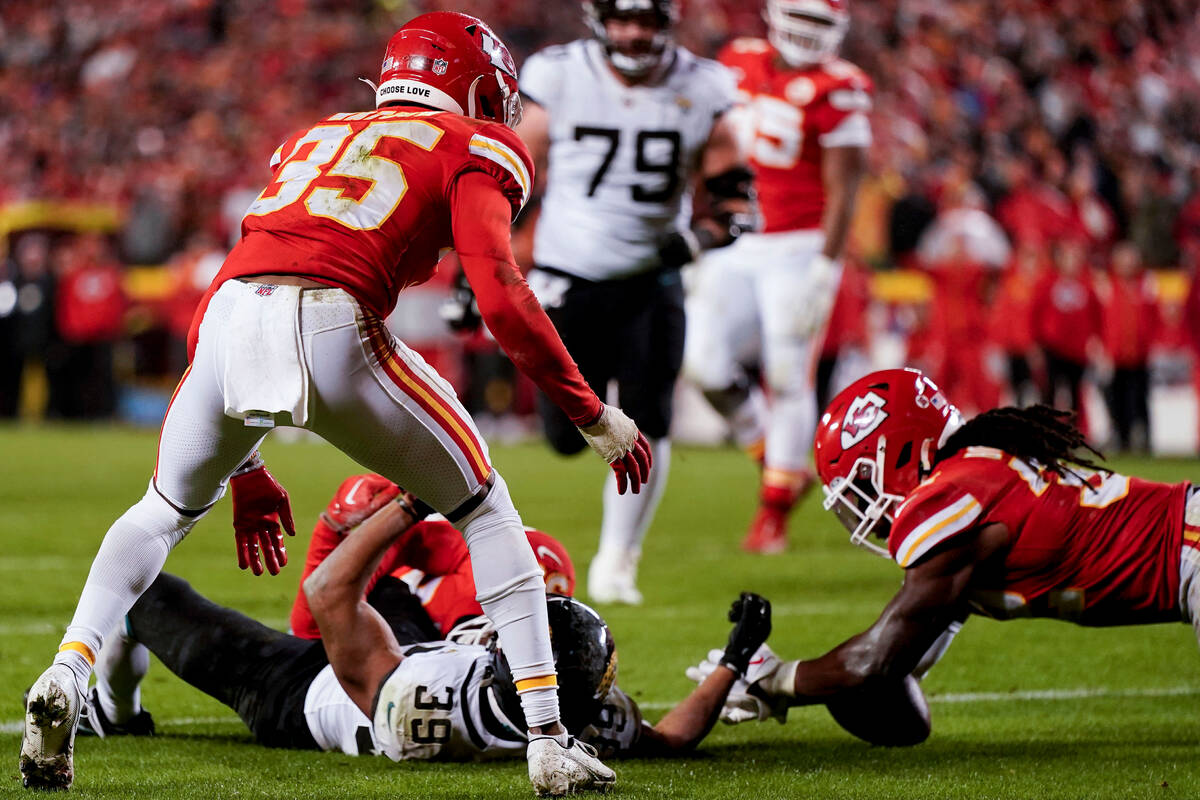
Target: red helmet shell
(453, 62)
(555, 561)
(902, 410)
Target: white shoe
(612, 578)
(555, 770)
(51, 717)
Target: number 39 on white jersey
(621, 157)
(435, 705)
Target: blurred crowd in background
(1032, 216)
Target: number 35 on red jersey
(362, 199)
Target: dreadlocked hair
(1036, 434)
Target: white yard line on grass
(1031, 695)
(15, 726)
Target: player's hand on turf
(260, 505)
(357, 498)
(751, 618)
(617, 440)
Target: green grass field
(1020, 710)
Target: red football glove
(260, 504)
(618, 441)
(357, 498)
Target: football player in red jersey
(1004, 516)
(430, 557)
(361, 205)
(761, 305)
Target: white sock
(131, 556)
(509, 586)
(122, 664)
(628, 516)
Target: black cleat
(93, 722)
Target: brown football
(889, 714)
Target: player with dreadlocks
(1008, 515)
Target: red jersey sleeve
(933, 513)
(506, 303)
(496, 151)
(839, 115)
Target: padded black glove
(751, 618)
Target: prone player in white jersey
(626, 122)
(761, 306)
(382, 683)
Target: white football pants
(760, 303)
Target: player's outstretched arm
(356, 499)
(260, 504)
(932, 597)
(481, 217)
(361, 647)
(686, 725)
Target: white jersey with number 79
(621, 157)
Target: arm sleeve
(841, 117)
(480, 220)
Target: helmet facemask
(805, 31)
(860, 503)
(631, 65)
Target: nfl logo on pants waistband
(265, 290)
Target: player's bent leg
(133, 551)
(378, 402)
(259, 672)
(795, 308)
(114, 705)
(510, 588)
(652, 348)
(612, 574)
(723, 336)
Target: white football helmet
(807, 31)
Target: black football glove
(751, 618)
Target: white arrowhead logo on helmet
(864, 415)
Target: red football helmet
(806, 31)
(875, 443)
(452, 62)
(556, 564)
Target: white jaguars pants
(760, 302)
